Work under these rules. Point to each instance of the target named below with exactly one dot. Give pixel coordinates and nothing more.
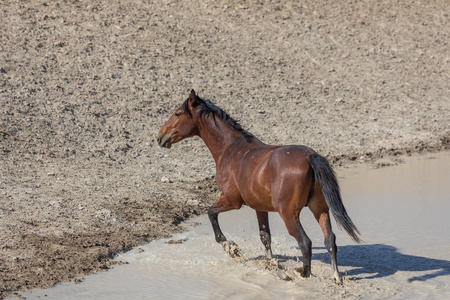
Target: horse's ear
(193, 99)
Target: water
(402, 212)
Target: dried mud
(85, 86)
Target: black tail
(325, 175)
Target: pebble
(165, 179)
(193, 202)
(78, 279)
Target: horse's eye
(177, 115)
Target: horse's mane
(208, 108)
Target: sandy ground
(85, 86)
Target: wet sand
(401, 211)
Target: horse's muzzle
(164, 140)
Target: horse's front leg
(223, 205)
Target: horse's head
(182, 123)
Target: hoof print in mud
(232, 249)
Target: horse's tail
(325, 175)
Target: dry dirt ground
(85, 86)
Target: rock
(165, 179)
(193, 202)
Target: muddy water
(402, 211)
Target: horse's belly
(258, 197)
(259, 205)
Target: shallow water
(401, 211)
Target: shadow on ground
(384, 260)
(375, 261)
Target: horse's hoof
(269, 255)
(305, 273)
(338, 281)
(232, 249)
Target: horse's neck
(218, 137)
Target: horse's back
(291, 158)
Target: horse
(267, 178)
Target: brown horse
(267, 178)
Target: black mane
(208, 108)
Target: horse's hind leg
(264, 231)
(295, 229)
(320, 210)
(330, 243)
